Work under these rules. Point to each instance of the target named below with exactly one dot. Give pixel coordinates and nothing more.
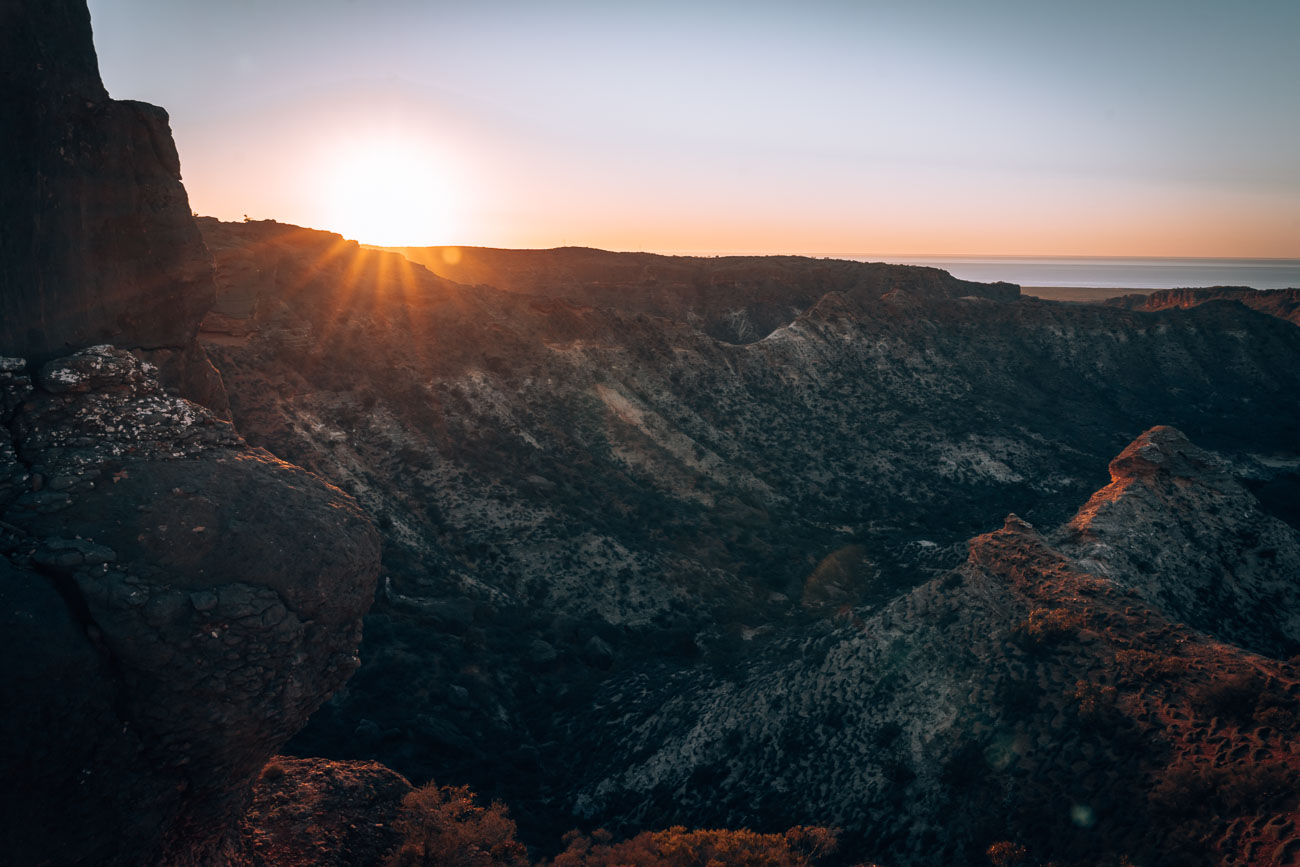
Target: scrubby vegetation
(1046, 627)
(446, 826)
(678, 847)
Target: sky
(958, 127)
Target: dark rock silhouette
(174, 602)
(96, 240)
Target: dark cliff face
(173, 602)
(96, 239)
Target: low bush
(1046, 627)
(442, 825)
(678, 847)
(1143, 666)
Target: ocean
(1114, 273)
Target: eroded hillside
(738, 299)
(578, 500)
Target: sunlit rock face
(1210, 560)
(177, 603)
(1282, 303)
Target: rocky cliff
(175, 602)
(1282, 303)
(180, 603)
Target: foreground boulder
(176, 604)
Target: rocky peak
(1085, 709)
(1164, 452)
(1159, 528)
(1018, 525)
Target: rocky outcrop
(96, 239)
(1282, 303)
(1172, 509)
(182, 603)
(1046, 694)
(175, 603)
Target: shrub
(1045, 627)
(1007, 854)
(1278, 717)
(1186, 789)
(1232, 698)
(274, 771)
(444, 826)
(1145, 666)
(1094, 702)
(678, 847)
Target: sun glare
(389, 193)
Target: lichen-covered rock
(208, 595)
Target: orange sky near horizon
(846, 130)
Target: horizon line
(872, 256)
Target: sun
(389, 193)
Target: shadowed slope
(739, 299)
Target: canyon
(625, 541)
(636, 574)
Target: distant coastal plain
(1079, 294)
(1114, 276)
